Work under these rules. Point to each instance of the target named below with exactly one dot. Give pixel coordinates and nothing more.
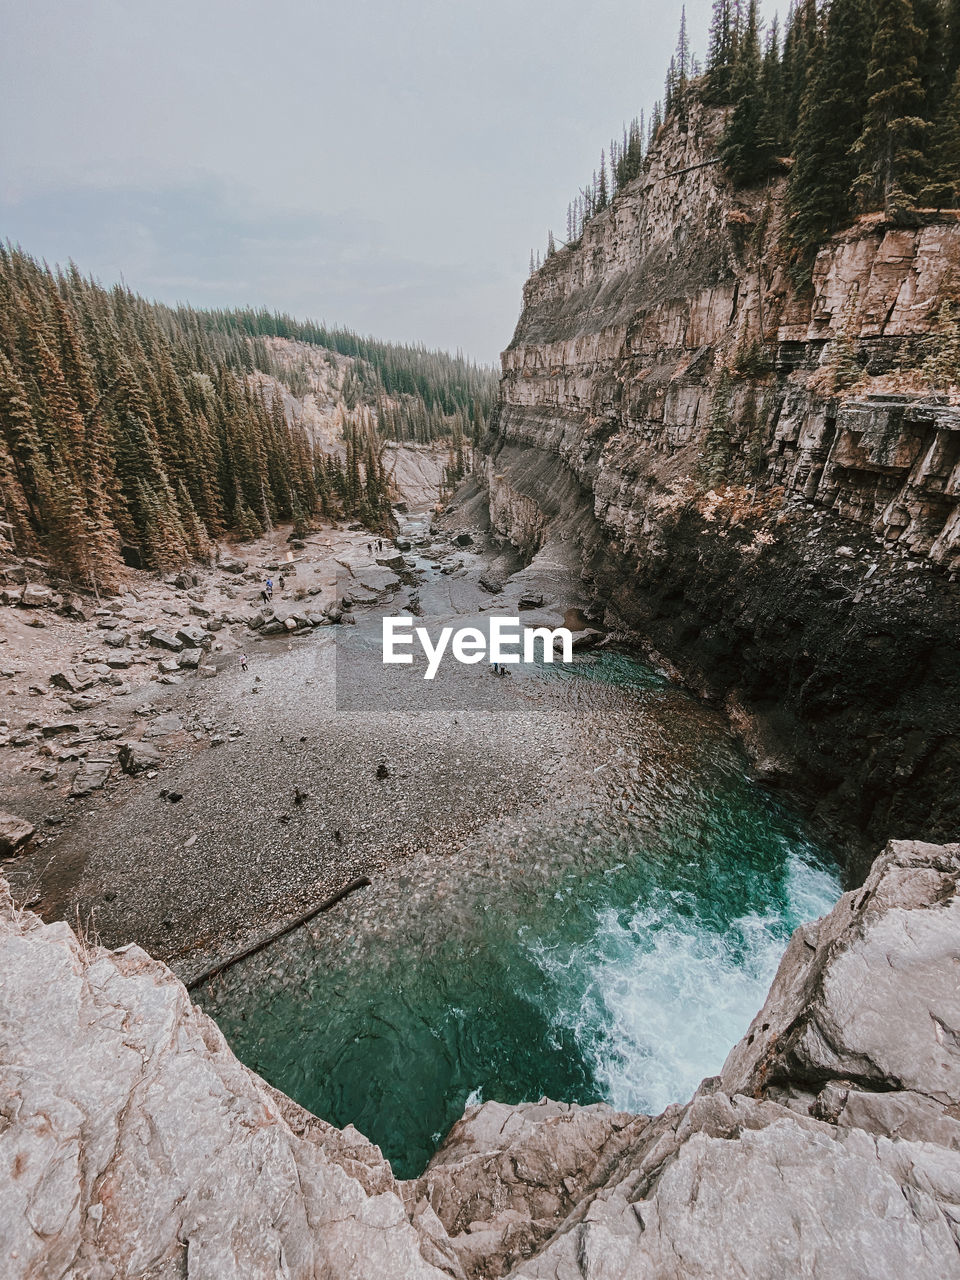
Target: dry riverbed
(187, 805)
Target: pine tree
(720, 54)
(818, 193)
(746, 148)
(681, 56)
(943, 189)
(952, 39)
(889, 150)
(801, 49)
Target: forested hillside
(134, 433)
(857, 101)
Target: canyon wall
(760, 484)
(134, 1146)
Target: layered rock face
(793, 549)
(133, 1144)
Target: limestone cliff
(133, 1145)
(800, 560)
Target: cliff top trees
(861, 98)
(818, 194)
(889, 149)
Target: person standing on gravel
(269, 588)
(243, 662)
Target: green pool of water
(615, 951)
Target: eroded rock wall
(801, 563)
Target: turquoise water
(613, 950)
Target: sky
(386, 165)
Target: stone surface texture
(133, 1144)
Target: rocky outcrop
(829, 1146)
(133, 1144)
(670, 403)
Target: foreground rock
(141, 1147)
(136, 1145)
(844, 1160)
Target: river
(610, 944)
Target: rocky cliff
(759, 482)
(133, 1145)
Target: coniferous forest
(857, 102)
(133, 433)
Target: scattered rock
(191, 637)
(382, 770)
(91, 776)
(137, 756)
(464, 539)
(72, 680)
(35, 596)
(56, 727)
(14, 832)
(163, 725)
(162, 640)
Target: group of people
(379, 545)
(266, 595)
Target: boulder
(163, 725)
(491, 581)
(14, 832)
(232, 565)
(163, 640)
(82, 701)
(74, 608)
(464, 539)
(137, 757)
(55, 727)
(116, 639)
(391, 562)
(189, 659)
(91, 776)
(201, 610)
(35, 596)
(73, 681)
(191, 637)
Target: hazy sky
(386, 166)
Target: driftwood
(359, 883)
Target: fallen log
(359, 882)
